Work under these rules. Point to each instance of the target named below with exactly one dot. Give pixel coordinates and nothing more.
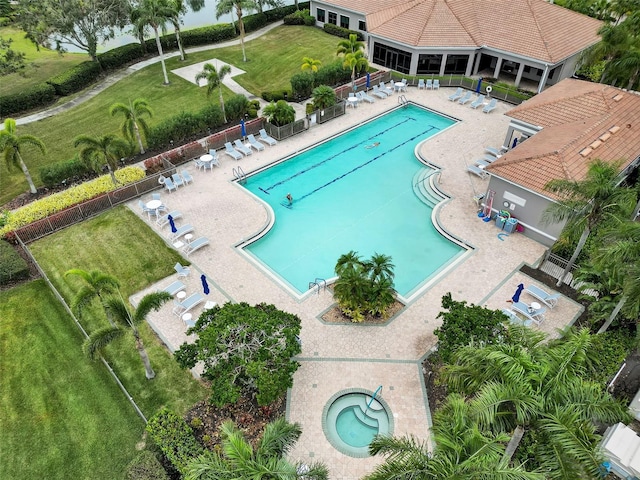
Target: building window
(456, 64)
(320, 15)
(362, 26)
(344, 21)
(333, 18)
(392, 58)
(429, 64)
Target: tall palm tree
(461, 450)
(586, 203)
(155, 13)
(226, 6)
(310, 64)
(133, 121)
(270, 3)
(126, 321)
(214, 77)
(528, 384)
(11, 145)
(350, 45)
(239, 459)
(628, 65)
(178, 9)
(96, 285)
(105, 150)
(279, 113)
(356, 62)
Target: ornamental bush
(302, 84)
(175, 438)
(56, 173)
(59, 201)
(76, 78)
(119, 56)
(12, 266)
(332, 29)
(32, 97)
(253, 22)
(205, 35)
(146, 467)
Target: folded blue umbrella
(172, 223)
(205, 285)
(516, 296)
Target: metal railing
(288, 130)
(329, 113)
(554, 266)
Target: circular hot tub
(352, 418)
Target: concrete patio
(336, 357)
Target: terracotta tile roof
(582, 120)
(531, 28)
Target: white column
(442, 65)
(470, 62)
(543, 80)
(507, 139)
(496, 71)
(519, 74)
(477, 62)
(413, 69)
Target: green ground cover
(63, 416)
(41, 64)
(272, 59)
(119, 243)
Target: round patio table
(207, 158)
(399, 86)
(154, 205)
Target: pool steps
(375, 415)
(422, 191)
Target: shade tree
(223, 7)
(214, 77)
(104, 151)
(154, 13)
(134, 119)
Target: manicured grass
(272, 60)
(62, 416)
(41, 64)
(120, 244)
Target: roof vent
(618, 97)
(586, 151)
(605, 137)
(595, 144)
(614, 129)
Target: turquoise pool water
(349, 197)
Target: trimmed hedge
(12, 265)
(332, 29)
(300, 17)
(205, 35)
(76, 78)
(275, 95)
(254, 22)
(119, 56)
(56, 173)
(36, 96)
(175, 438)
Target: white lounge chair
(477, 171)
(477, 102)
(487, 159)
(232, 152)
(187, 304)
(177, 180)
(174, 288)
(197, 244)
(239, 146)
(493, 151)
(465, 99)
(490, 106)
(421, 85)
(436, 84)
(515, 319)
(527, 312)
(264, 137)
(456, 95)
(550, 300)
(183, 230)
(181, 271)
(378, 93)
(363, 97)
(164, 219)
(481, 163)
(385, 89)
(255, 143)
(186, 176)
(168, 184)
(429, 84)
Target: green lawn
(62, 416)
(41, 64)
(272, 60)
(119, 243)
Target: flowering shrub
(67, 198)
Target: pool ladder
(402, 100)
(318, 283)
(239, 174)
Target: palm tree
(239, 459)
(96, 285)
(133, 120)
(379, 267)
(461, 450)
(178, 9)
(126, 321)
(310, 64)
(586, 203)
(348, 262)
(323, 96)
(279, 113)
(154, 13)
(11, 145)
(350, 45)
(628, 65)
(214, 77)
(528, 384)
(105, 150)
(271, 3)
(226, 6)
(356, 62)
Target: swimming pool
(347, 196)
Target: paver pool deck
(336, 357)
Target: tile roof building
(517, 39)
(565, 127)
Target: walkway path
(119, 75)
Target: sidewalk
(117, 76)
